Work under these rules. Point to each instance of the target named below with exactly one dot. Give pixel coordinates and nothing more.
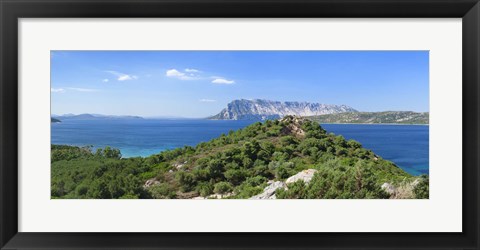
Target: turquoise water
(405, 145)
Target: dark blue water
(405, 145)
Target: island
(261, 110)
(54, 120)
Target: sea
(405, 145)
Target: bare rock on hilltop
(269, 191)
(306, 176)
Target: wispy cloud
(83, 89)
(195, 74)
(180, 75)
(221, 80)
(63, 90)
(207, 100)
(122, 76)
(192, 71)
(105, 80)
(59, 90)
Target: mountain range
(259, 109)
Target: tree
(186, 180)
(109, 152)
(236, 176)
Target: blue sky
(201, 83)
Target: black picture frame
(12, 10)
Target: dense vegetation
(398, 117)
(236, 165)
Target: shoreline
(244, 120)
(146, 156)
(403, 124)
(416, 124)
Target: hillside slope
(287, 158)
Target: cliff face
(264, 109)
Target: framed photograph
(239, 124)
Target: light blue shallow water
(405, 145)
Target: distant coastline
(54, 120)
(387, 124)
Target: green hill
(259, 160)
(387, 117)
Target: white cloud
(207, 100)
(222, 81)
(174, 73)
(83, 89)
(122, 76)
(179, 75)
(192, 70)
(105, 80)
(59, 90)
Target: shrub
(421, 190)
(235, 176)
(162, 191)
(186, 180)
(205, 188)
(282, 172)
(295, 190)
(223, 187)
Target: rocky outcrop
(306, 176)
(294, 127)
(259, 109)
(179, 165)
(389, 188)
(219, 196)
(150, 182)
(269, 191)
(213, 196)
(402, 191)
(198, 198)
